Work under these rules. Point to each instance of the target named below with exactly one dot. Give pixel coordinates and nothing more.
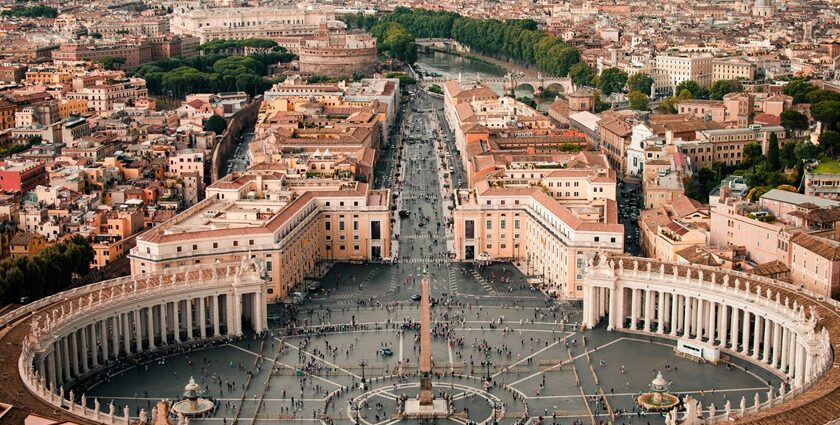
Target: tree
(830, 142)
(215, 124)
(670, 104)
(434, 88)
(612, 80)
(798, 89)
(638, 100)
(640, 82)
(32, 12)
(806, 151)
(581, 74)
(600, 106)
(752, 152)
(721, 88)
(793, 120)
(111, 62)
(827, 112)
(788, 155)
(96, 35)
(773, 152)
(696, 91)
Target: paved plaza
(361, 322)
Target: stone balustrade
(773, 324)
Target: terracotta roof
(698, 254)
(823, 247)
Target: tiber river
(449, 66)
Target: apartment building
(732, 69)
(288, 225)
(103, 96)
(727, 145)
(682, 67)
(548, 239)
(249, 22)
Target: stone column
(648, 308)
(680, 317)
(125, 322)
(138, 331)
(74, 353)
(734, 328)
(105, 338)
(188, 312)
(588, 299)
(237, 314)
(794, 339)
(51, 366)
(634, 308)
(809, 364)
(660, 314)
(115, 320)
(756, 336)
(94, 348)
(150, 320)
(699, 307)
(777, 343)
(800, 365)
(712, 322)
(215, 299)
(619, 294)
(176, 320)
(613, 309)
(163, 331)
(84, 353)
(202, 318)
(65, 361)
(765, 356)
(687, 317)
(785, 350)
(724, 325)
(746, 332)
(673, 317)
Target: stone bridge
(441, 43)
(511, 82)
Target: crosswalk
(423, 236)
(483, 282)
(423, 261)
(453, 282)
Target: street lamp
(362, 364)
(488, 363)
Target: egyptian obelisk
(425, 344)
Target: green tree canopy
(696, 91)
(32, 12)
(640, 82)
(582, 75)
(215, 124)
(612, 80)
(111, 62)
(393, 37)
(827, 112)
(773, 154)
(798, 89)
(793, 120)
(721, 88)
(830, 142)
(752, 152)
(638, 100)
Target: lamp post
(362, 364)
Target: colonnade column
(680, 317)
(673, 318)
(215, 299)
(785, 350)
(648, 307)
(105, 338)
(792, 354)
(94, 348)
(745, 349)
(237, 314)
(765, 356)
(51, 367)
(613, 309)
(697, 318)
(84, 353)
(163, 331)
(799, 376)
(189, 313)
(126, 324)
(65, 360)
(756, 336)
(115, 321)
(736, 313)
(176, 321)
(687, 317)
(138, 331)
(150, 320)
(202, 318)
(724, 325)
(660, 324)
(777, 343)
(712, 322)
(634, 308)
(619, 302)
(74, 353)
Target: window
(375, 230)
(469, 229)
(178, 249)
(215, 244)
(355, 225)
(597, 238)
(489, 224)
(235, 243)
(503, 224)
(250, 242)
(327, 226)
(516, 224)
(341, 226)
(195, 247)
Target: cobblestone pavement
(487, 321)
